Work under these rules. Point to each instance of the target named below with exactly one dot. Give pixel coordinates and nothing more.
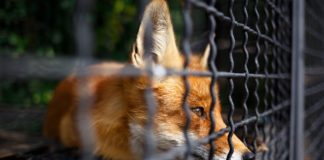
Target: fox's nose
(248, 156)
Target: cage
(256, 59)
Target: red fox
(118, 113)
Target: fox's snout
(248, 156)
(235, 156)
(203, 153)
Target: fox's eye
(199, 111)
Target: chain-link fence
(252, 51)
(255, 49)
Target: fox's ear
(155, 39)
(204, 58)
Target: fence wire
(253, 71)
(270, 40)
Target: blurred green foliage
(40, 28)
(45, 29)
(116, 23)
(31, 93)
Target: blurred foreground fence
(266, 56)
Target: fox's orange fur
(118, 113)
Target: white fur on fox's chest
(164, 140)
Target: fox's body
(118, 112)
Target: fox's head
(157, 40)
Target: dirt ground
(20, 137)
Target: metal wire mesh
(250, 60)
(270, 39)
(261, 27)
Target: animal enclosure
(265, 57)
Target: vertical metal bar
(246, 70)
(84, 48)
(83, 29)
(186, 52)
(149, 143)
(257, 65)
(230, 99)
(297, 85)
(213, 69)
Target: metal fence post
(297, 88)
